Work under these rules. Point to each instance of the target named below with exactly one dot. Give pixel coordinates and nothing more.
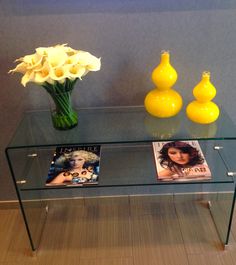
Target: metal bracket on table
(218, 147)
(209, 204)
(23, 181)
(32, 155)
(231, 174)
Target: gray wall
(128, 35)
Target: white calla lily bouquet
(57, 69)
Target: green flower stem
(62, 102)
(63, 116)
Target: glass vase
(62, 113)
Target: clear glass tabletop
(117, 125)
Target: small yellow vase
(163, 101)
(203, 110)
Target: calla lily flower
(91, 62)
(49, 65)
(94, 64)
(28, 77)
(70, 51)
(42, 51)
(56, 57)
(33, 61)
(58, 74)
(76, 71)
(73, 59)
(42, 75)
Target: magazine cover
(180, 161)
(74, 165)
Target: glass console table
(127, 162)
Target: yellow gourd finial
(165, 56)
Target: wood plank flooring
(129, 230)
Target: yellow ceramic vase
(203, 110)
(163, 101)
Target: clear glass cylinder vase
(63, 115)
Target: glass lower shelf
(121, 165)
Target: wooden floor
(131, 230)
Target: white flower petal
(94, 64)
(91, 62)
(43, 75)
(56, 57)
(20, 68)
(73, 59)
(28, 76)
(42, 51)
(32, 61)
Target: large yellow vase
(163, 101)
(203, 110)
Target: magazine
(74, 165)
(180, 161)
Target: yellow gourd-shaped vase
(163, 101)
(203, 110)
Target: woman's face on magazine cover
(77, 161)
(178, 156)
